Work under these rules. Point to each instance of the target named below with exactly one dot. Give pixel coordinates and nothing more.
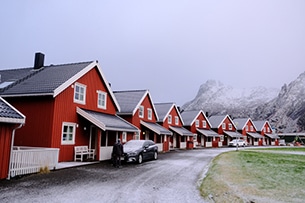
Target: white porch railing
(160, 147)
(219, 144)
(105, 153)
(208, 144)
(183, 145)
(26, 160)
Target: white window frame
(204, 124)
(69, 141)
(149, 113)
(221, 138)
(124, 136)
(169, 119)
(141, 111)
(223, 126)
(197, 123)
(137, 135)
(230, 126)
(195, 137)
(251, 128)
(80, 94)
(176, 120)
(101, 99)
(247, 128)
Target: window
(204, 124)
(137, 136)
(251, 128)
(176, 120)
(230, 126)
(101, 99)
(221, 138)
(247, 128)
(197, 123)
(68, 133)
(141, 111)
(195, 138)
(124, 136)
(149, 114)
(80, 93)
(169, 119)
(223, 126)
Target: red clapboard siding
(5, 148)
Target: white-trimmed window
(176, 120)
(268, 129)
(124, 136)
(197, 123)
(169, 119)
(204, 124)
(80, 93)
(137, 135)
(195, 137)
(141, 111)
(149, 113)
(251, 128)
(221, 138)
(68, 133)
(230, 126)
(247, 128)
(224, 126)
(101, 99)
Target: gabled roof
(260, 125)
(130, 101)
(189, 117)
(216, 121)
(255, 135)
(155, 127)
(241, 123)
(107, 121)
(8, 114)
(181, 131)
(207, 133)
(48, 80)
(163, 110)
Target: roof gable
(8, 114)
(131, 100)
(164, 109)
(49, 80)
(241, 123)
(216, 121)
(189, 117)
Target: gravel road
(174, 177)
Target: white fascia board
(91, 118)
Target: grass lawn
(250, 176)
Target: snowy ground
(172, 178)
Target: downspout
(11, 153)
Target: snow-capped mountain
(287, 111)
(216, 98)
(284, 109)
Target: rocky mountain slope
(284, 109)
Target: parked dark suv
(140, 150)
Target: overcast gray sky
(170, 47)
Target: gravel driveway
(173, 177)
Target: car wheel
(155, 155)
(140, 159)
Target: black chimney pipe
(39, 60)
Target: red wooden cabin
(10, 120)
(197, 122)
(170, 118)
(66, 105)
(138, 108)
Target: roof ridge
(34, 72)
(119, 91)
(64, 64)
